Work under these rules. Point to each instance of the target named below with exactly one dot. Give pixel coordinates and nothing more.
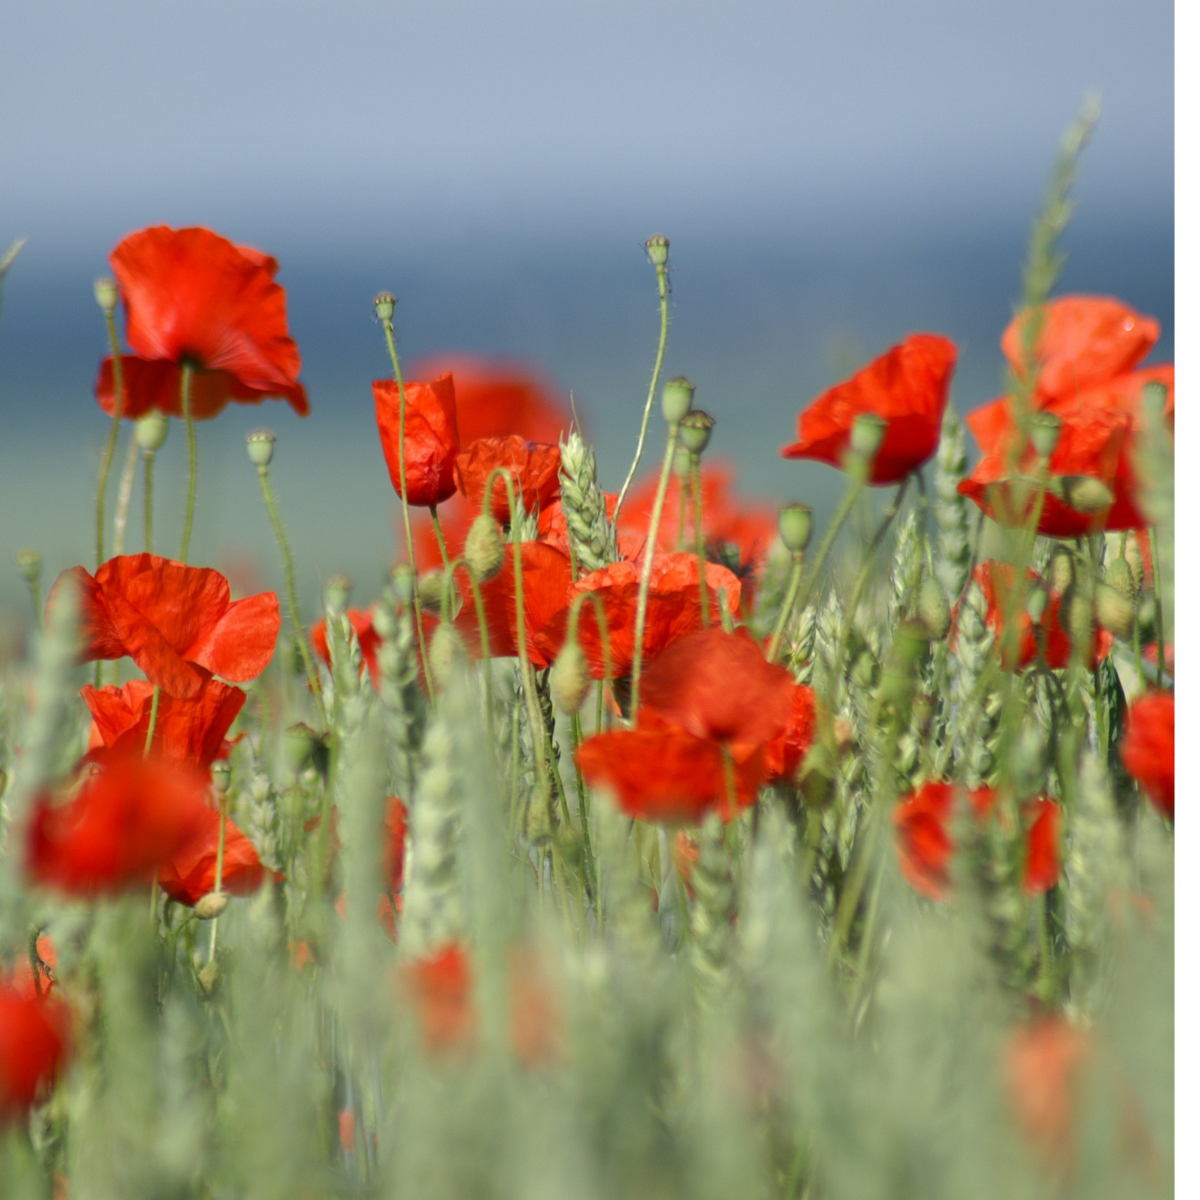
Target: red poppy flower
(176, 622)
(430, 437)
(996, 580)
(364, 629)
(718, 685)
(188, 731)
(786, 752)
(498, 398)
(535, 1014)
(124, 823)
(907, 386)
(1041, 1065)
(35, 1041)
(534, 467)
(1148, 748)
(545, 590)
(191, 872)
(1042, 857)
(23, 978)
(659, 772)
(395, 839)
(673, 609)
(440, 986)
(192, 296)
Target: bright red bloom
(440, 986)
(497, 398)
(364, 629)
(192, 296)
(718, 685)
(673, 609)
(187, 731)
(191, 872)
(996, 580)
(430, 437)
(545, 591)
(534, 468)
(123, 824)
(176, 622)
(659, 772)
(1043, 859)
(35, 1041)
(786, 752)
(1148, 748)
(907, 386)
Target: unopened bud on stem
(429, 591)
(569, 678)
(151, 431)
(695, 430)
(795, 526)
(29, 565)
(1044, 431)
(483, 551)
(260, 446)
(222, 774)
(212, 905)
(1115, 611)
(385, 306)
(107, 294)
(866, 435)
(677, 399)
(658, 247)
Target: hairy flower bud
(933, 608)
(795, 526)
(569, 678)
(695, 430)
(658, 246)
(1044, 431)
(429, 591)
(385, 306)
(1036, 600)
(1076, 616)
(107, 294)
(1062, 569)
(151, 431)
(29, 565)
(210, 906)
(677, 399)
(260, 446)
(484, 549)
(866, 435)
(1085, 494)
(221, 774)
(446, 653)
(1115, 611)
(1118, 574)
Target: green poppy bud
(222, 774)
(695, 430)
(677, 399)
(151, 432)
(1044, 431)
(429, 591)
(795, 526)
(1115, 611)
(210, 906)
(29, 565)
(1062, 569)
(300, 743)
(260, 446)
(385, 306)
(569, 678)
(484, 549)
(107, 294)
(1086, 495)
(658, 246)
(866, 435)
(1118, 575)
(1076, 616)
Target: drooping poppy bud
(484, 549)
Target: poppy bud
(795, 526)
(1036, 600)
(658, 246)
(151, 431)
(866, 435)
(695, 430)
(208, 977)
(1085, 494)
(677, 399)
(1115, 611)
(429, 591)
(1062, 570)
(385, 306)
(210, 906)
(106, 294)
(1044, 431)
(260, 446)
(1076, 616)
(29, 565)
(569, 678)
(933, 608)
(446, 653)
(404, 580)
(221, 773)
(1118, 575)
(337, 593)
(383, 621)
(483, 551)
(1154, 401)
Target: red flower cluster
(191, 872)
(176, 622)
(925, 846)
(907, 386)
(1148, 748)
(193, 297)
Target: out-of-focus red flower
(430, 437)
(176, 622)
(1041, 1063)
(1150, 654)
(718, 685)
(395, 839)
(925, 846)
(673, 609)
(35, 1041)
(997, 580)
(535, 1014)
(659, 772)
(125, 822)
(545, 591)
(364, 629)
(191, 872)
(1095, 443)
(786, 752)
(534, 468)
(192, 296)
(23, 977)
(1148, 748)
(188, 731)
(907, 386)
(440, 987)
(497, 398)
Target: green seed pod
(484, 549)
(106, 293)
(29, 565)
(695, 430)
(866, 435)
(1118, 575)
(208, 976)
(210, 906)
(260, 446)
(151, 432)
(1044, 431)
(569, 678)
(222, 774)
(300, 742)
(1115, 611)
(1036, 600)
(677, 399)
(658, 246)
(795, 526)
(933, 608)
(1061, 573)
(1137, 566)
(385, 306)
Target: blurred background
(831, 177)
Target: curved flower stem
(441, 541)
(839, 519)
(153, 722)
(148, 475)
(289, 574)
(661, 273)
(785, 610)
(124, 495)
(223, 808)
(698, 521)
(1160, 652)
(185, 403)
(35, 595)
(111, 444)
(639, 629)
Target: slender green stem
(125, 493)
(289, 572)
(698, 521)
(223, 809)
(661, 273)
(111, 444)
(1160, 652)
(185, 404)
(441, 541)
(148, 499)
(153, 722)
(852, 494)
(35, 596)
(785, 609)
(639, 629)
